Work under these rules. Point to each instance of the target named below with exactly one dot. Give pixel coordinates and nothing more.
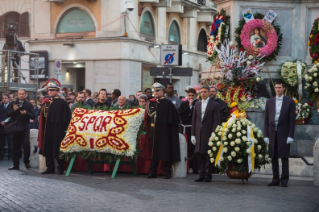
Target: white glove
(290, 140)
(193, 140)
(266, 140)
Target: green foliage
(257, 15)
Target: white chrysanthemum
(210, 143)
(232, 143)
(219, 133)
(209, 151)
(212, 160)
(244, 138)
(230, 136)
(260, 156)
(237, 149)
(248, 151)
(248, 143)
(214, 148)
(238, 134)
(255, 141)
(233, 130)
(216, 138)
(233, 153)
(225, 143)
(229, 158)
(239, 160)
(225, 149)
(221, 159)
(224, 138)
(218, 143)
(238, 141)
(211, 155)
(243, 132)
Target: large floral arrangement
(271, 49)
(312, 78)
(217, 34)
(314, 42)
(104, 132)
(303, 110)
(240, 143)
(289, 73)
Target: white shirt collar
(281, 98)
(205, 101)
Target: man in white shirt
(206, 118)
(279, 128)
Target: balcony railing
(201, 2)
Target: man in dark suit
(223, 108)
(88, 98)
(3, 137)
(121, 103)
(279, 131)
(205, 120)
(22, 111)
(185, 113)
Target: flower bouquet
(303, 112)
(238, 143)
(312, 78)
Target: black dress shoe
(207, 180)
(9, 158)
(27, 166)
(60, 171)
(284, 185)
(199, 180)
(48, 172)
(274, 184)
(14, 168)
(152, 176)
(167, 177)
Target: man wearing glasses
(162, 118)
(223, 108)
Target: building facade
(89, 37)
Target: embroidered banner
(112, 132)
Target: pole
(170, 74)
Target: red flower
(316, 55)
(241, 49)
(223, 18)
(310, 104)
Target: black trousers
(191, 150)
(3, 138)
(50, 164)
(275, 166)
(18, 140)
(205, 167)
(167, 167)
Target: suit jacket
(285, 127)
(24, 120)
(186, 113)
(202, 129)
(224, 111)
(3, 116)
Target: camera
(129, 6)
(11, 38)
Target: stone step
(302, 148)
(296, 168)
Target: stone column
(34, 157)
(316, 163)
(180, 168)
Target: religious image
(258, 38)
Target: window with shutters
(202, 41)
(147, 29)
(174, 33)
(20, 21)
(76, 22)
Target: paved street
(27, 190)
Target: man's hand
(290, 140)
(23, 112)
(193, 140)
(2, 123)
(15, 107)
(191, 102)
(266, 140)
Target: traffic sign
(58, 67)
(159, 71)
(171, 55)
(183, 72)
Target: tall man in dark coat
(21, 110)
(205, 120)
(223, 108)
(185, 113)
(163, 119)
(54, 121)
(279, 131)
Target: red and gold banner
(112, 132)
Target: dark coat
(24, 120)
(54, 127)
(3, 116)
(203, 129)
(83, 105)
(186, 113)
(285, 127)
(164, 136)
(223, 109)
(101, 105)
(90, 102)
(35, 124)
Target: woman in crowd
(142, 100)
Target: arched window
(147, 29)
(202, 41)
(173, 33)
(76, 22)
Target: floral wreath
(269, 51)
(288, 71)
(314, 42)
(217, 34)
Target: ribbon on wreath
(251, 156)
